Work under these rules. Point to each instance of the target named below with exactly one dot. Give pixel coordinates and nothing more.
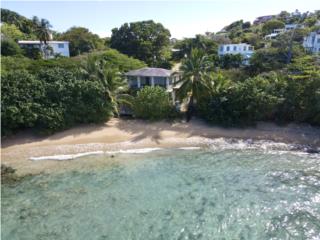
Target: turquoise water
(171, 194)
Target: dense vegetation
(281, 84)
(153, 103)
(282, 96)
(49, 95)
(81, 40)
(146, 40)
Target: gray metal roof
(150, 72)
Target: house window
(221, 49)
(318, 41)
(228, 48)
(234, 48)
(250, 48)
(145, 81)
(244, 48)
(60, 45)
(160, 81)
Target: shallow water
(171, 194)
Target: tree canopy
(82, 40)
(145, 40)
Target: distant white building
(58, 47)
(312, 42)
(275, 33)
(287, 27)
(246, 50)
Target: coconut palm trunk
(194, 81)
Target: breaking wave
(217, 144)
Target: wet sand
(116, 134)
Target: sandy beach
(116, 134)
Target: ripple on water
(171, 194)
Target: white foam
(66, 156)
(78, 155)
(189, 148)
(137, 150)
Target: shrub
(245, 102)
(71, 100)
(10, 48)
(230, 61)
(22, 94)
(53, 99)
(153, 103)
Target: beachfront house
(57, 48)
(142, 77)
(244, 49)
(312, 42)
(149, 77)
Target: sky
(182, 18)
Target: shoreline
(118, 134)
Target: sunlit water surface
(171, 194)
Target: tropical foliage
(153, 103)
(145, 40)
(194, 81)
(49, 95)
(282, 82)
(51, 100)
(82, 40)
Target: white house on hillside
(312, 42)
(58, 47)
(246, 50)
(287, 27)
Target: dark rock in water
(7, 170)
(8, 174)
(312, 150)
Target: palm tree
(42, 31)
(195, 78)
(115, 86)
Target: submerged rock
(8, 174)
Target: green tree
(71, 100)
(152, 103)
(22, 23)
(114, 85)
(82, 40)
(13, 32)
(194, 80)
(269, 26)
(302, 94)
(230, 61)
(199, 42)
(145, 40)
(244, 103)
